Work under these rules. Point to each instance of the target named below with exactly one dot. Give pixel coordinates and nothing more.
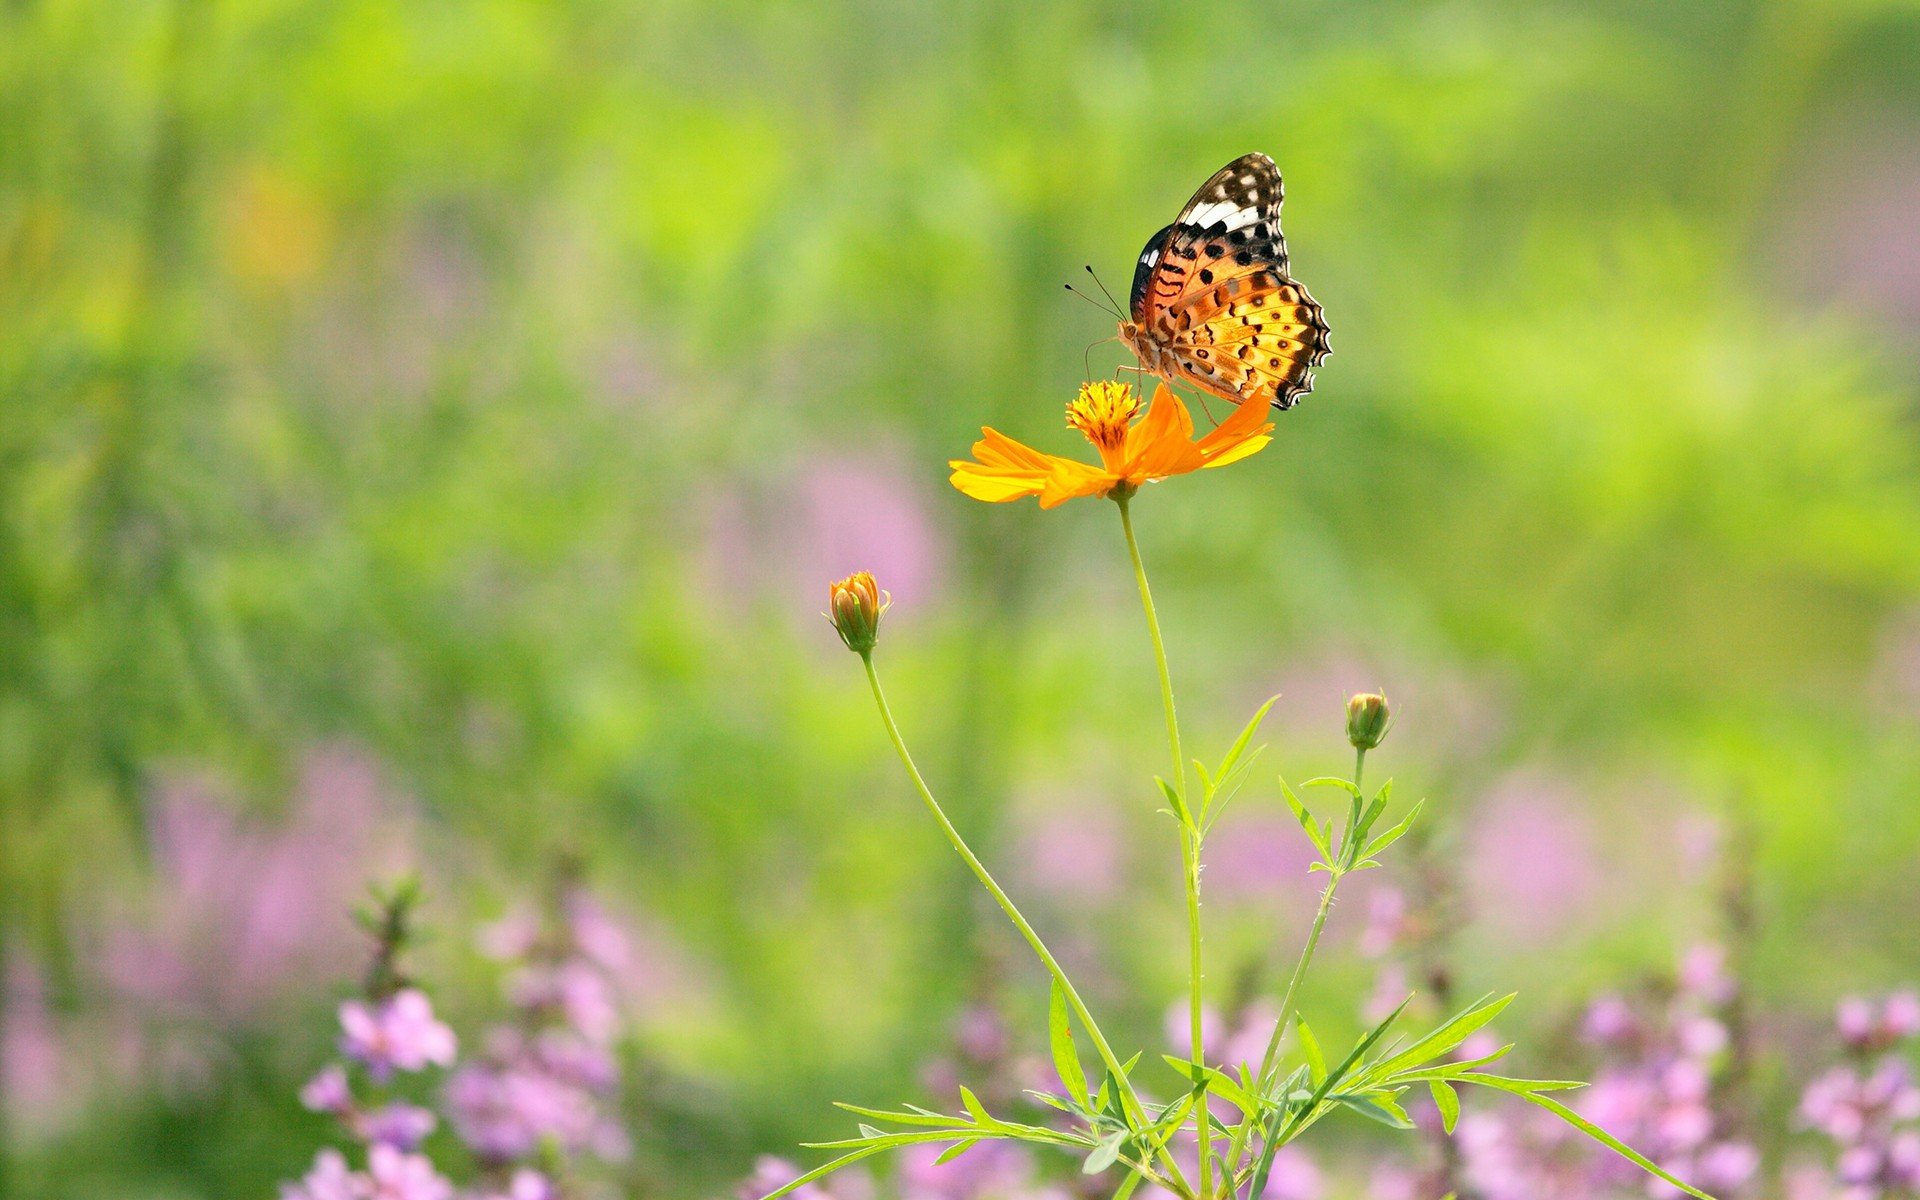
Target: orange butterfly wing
(1214, 302)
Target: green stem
(1189, 851)
(1128, 1097)
(1267, 1061)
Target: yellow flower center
(1102, 411)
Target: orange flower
(1158, 445)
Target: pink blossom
(328, 1092)
(330, 1179)
(1901, 1015)
(402, 1126)
(399, 1032)
(1704, 975)
(398, 1175)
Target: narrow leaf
(1609, 1141)
(1394, 834)
(1173, 799)
(1445, 1038)
(1378, 1109)
(1334, 781)
(822, 1171)
(1447, 1101)
(1066, 1060)
(898, 1118)
(955, 1151)
(1105, 1154)
(1305, 818)
(975, 1108)
(1316, 1060)
(1246, 735)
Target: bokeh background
(426, 431)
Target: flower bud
(854, 606)
(1368, 719)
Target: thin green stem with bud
(1129, 1098)
(1189, 851)
(1268, 1060)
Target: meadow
(428, 434)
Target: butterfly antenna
(1103, 289)
(1086, 360)
(1090, 300)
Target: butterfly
(1213, 302)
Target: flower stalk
(1190, 838)
(1128, 1097)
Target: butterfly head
(1146, 345)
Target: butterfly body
(1214, 303)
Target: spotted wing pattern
(1214, 302)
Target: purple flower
(400, 1032)
(1704, 975)
(401, 1126)
(1611, 1022)
(505, 1111)
(1901, 1015)
(398, 1175)
(1867, 1027)
(328, 1092)
(330, 1179)
(1856, 1020)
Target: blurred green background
(427, 430)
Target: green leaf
(1443, 1039)
(822, 1171)
(1173, 799)
(1186, 1069)
(1394, 834)
(1217, 1082)
(1452, 1070)
(1447, 1101)
(1318, 838)
(1127, 1185)
(975, 1108)
(1523, 1087)
(1051, 1100)
(955, 1151)
(1066, 1060)
(1246, 736)
(1367, 818)
(1334, 781)
(1379, 1109)
(921, 1117)
(1316, 1060)
(1105, 1154)
(1584, 1126)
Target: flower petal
(1161, 444)
(1166, 418)
(996, 449)
(995, 485)
(1245, 449)
(1070, 480)
(1249, 420)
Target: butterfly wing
(1213, 296)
